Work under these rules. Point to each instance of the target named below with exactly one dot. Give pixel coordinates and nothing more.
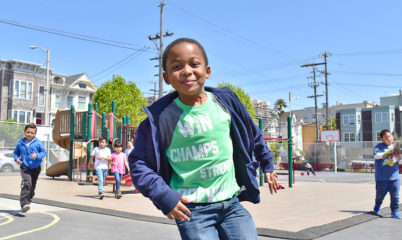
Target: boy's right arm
(17, 153)
(143, 172)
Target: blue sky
(256, 45)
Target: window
(381, 117)
(82, 85)
(28, 117)
(392, 117)
(358, 118)
(22, 116)
(17, 89)
(349, 137)
(348, 119)
(378, 136)
(81, 103)
(41, 96)
(23, 90)
(57, 102)
(69, 101)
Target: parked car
(7, 163)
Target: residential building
(23, 88)
(365, 124)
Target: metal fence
(11, 133)
(328, 156)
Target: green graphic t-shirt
(200, 153)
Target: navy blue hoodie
(151, 172)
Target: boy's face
(30, 134)
(129, 144)
(186, 70)
(387, 138)
(102, 144)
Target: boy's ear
(165, 77)
(208, 71)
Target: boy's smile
(186, 71)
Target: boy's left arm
(262, 153)
(41, 151)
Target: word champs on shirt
(101, 152)
(200, 150)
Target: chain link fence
(326, 156)
(11, 133)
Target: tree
(128, 97)
(332, 125)
(279, 107)
(243, 97)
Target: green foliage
(274, 149)
(243, 97)
(332, 125)
(11, 132)
(128, 97)
(279, 107)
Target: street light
(47, 118)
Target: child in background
(387, 172)
(28, 154)
(102, 157)
(130, 147)
(119, 166)
(197, 152)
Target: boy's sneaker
(25, 208)
(395, 214)
(377, 209)
(101, 196)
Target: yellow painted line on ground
(10, 219)
(55, 220)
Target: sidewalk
(306, 211)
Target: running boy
(28, 154)
(387, 172)
(119, 166)
(102, 157)
(193, 155)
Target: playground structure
(79, 132)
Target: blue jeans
(101, 173)
(222, 220)
(117, 177)
(382, 187)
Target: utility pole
(160, 48)
(325, 55)
(154, 90)
(315, 85)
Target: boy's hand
(180, 212)
(19, 162)
(271, 178)
(33, 155)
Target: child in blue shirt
(387, 173)
(28, 154)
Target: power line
(371, 74)
(370, 52)
(116, 64)
(73, 35)
(238, 36)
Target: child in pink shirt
(119, 166)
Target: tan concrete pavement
(306, 205)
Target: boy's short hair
(118, 145)
(383, 132)
(178, 41)
(31, 125)
(102, 139)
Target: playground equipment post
(89, 135)
(72, 137)
(290, 160)
(261, 173)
